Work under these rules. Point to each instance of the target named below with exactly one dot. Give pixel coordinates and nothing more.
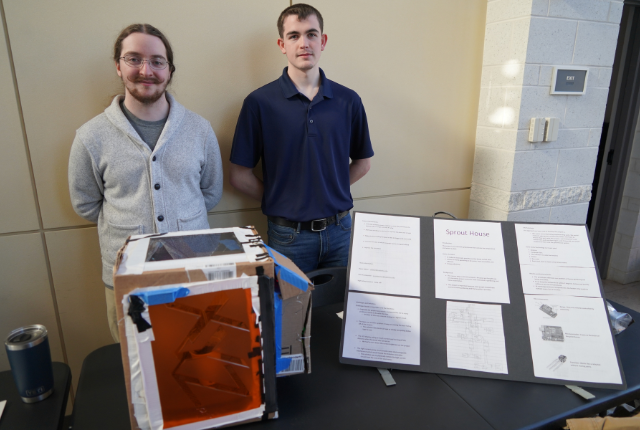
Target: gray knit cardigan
(116, 181)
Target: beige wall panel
(416, 65)
(25, 294)
(455, 202)
(18, 211)
(223, 50)
(77, 270)
(239, 219)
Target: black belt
(315, 225)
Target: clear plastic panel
(192, 246)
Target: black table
(333, 396)
(514, 405)
(47, 414)
(336, 395)
(101, 397)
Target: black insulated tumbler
(30, 359)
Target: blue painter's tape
(293, 278)
(165, 295)
(271, 251)
(281, 363)
(287, 275)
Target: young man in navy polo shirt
(313, 139)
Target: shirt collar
(117, 118)
(289, 89)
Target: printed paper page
(382, 328)
(475, 337)
(469, 261)
(385, 256)
(558, 245)
(571, 339)
(556, 280)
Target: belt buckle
(324, 224)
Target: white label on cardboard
(219, 271)
(296, 365)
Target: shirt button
(154, 158)
(157, 186)
(311, 121)
(160, 218)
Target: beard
(146, 99)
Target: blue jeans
(311, 250)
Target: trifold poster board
(207, 320)
(490, 299)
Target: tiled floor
(625, 294)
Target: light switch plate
(536, 130)
(551, 129)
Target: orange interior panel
(207, 356)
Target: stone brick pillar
(547, 181)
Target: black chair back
(329, 284)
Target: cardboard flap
(287, 290)
(292, 280)
(119, 257)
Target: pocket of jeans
(280, 234)
(345, 223)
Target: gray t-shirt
(149, 131)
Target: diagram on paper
(552, 333)
(570, 339)
(475, 337)
(549, 310)
(555, 364)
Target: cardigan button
(160, 218)
(154, 158)
(157, 186)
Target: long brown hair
(144, 29)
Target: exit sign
(569, 80)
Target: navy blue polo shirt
(305, 146)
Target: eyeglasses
(137, 62)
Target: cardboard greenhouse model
(207, 321)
